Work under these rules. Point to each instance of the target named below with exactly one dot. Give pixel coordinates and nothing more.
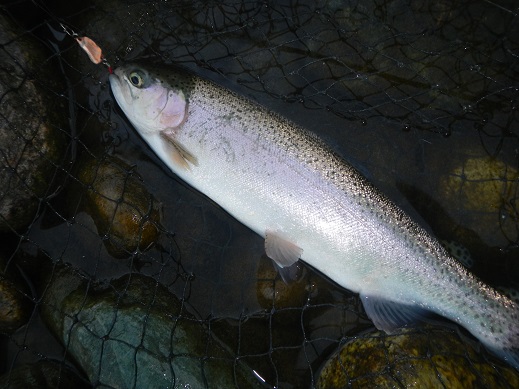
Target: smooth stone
(33, 127)
(135, 333)
(123, 210)
(15, 306)
(414, 358)
(481, 191)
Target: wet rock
(421, 358)
(134, 333)
(124, 212)
(33, 131)
(15, 306)
(274, 293)
(15, 303)
(44, 374)
(481, 184)
(482, 192)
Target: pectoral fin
(179, 155)
(285, 255)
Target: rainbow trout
(286, 185)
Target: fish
(284, 183)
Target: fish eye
(137, 79)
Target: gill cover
(148, 102)
(155, 109)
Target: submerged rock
(44, 374)
(124, 212)
(273, 292)
(482, 192)
(134, 333)
(32, 126)
(414, 358)
(481, 184)
(15, 303)
(15, 306)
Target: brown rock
(33, 130)
(124, 212)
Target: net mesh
(116, 274)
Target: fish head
(148, 101)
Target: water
(406, 93)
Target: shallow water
(407, 93)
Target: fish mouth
(115, 80)
(118, 86)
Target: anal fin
(179, 155)
(389, 316)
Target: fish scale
(285, 184)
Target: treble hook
(69, 31)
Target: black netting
(117, 274)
